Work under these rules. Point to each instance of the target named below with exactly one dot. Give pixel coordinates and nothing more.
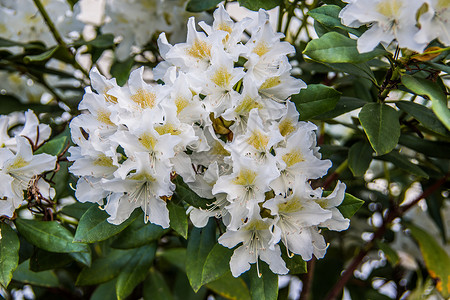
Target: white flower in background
(434, 23)
(387, 19)
(25, 23)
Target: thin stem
(393, 213)
(308, 279)
(57, 35)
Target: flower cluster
(413, 24)
(25, 24)
(136, 21)
(222, 121)
(19, 167)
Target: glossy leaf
(44, 278)
(42, 260)
(264, 287)
(217, 263)
(380, 123)
(84, 258)
(138, 234)
(295, 264)
(344, 105)
(155, 287)
(200, 243)
(423, 115)
(135, 271)
(9, 253)
(176, 257)
(337, 48)
(42, 56)
(314, 100)
(359, 158)
(390, 253)
(93, 226)
(430, 148)
(349, 205)
(54, 146)
(257, 4)
(328, 16)
(230, 287)
(76, 210)
(436, 259)
(49, 235)
(105, 291)
(178, 218)
(121, 70)
(184, 193)
(201, 5)
(432, 90)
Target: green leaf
(49, 235)
(380, 123)
(333, 47)
(102, 41)
(42, 56)
(359, 158)
(430, 148)
(436, 259)
(184, 193)
(200, 243)
(328, 16)
(390, 253)
(344, 105)
(77, 209)
(155, 287)
(9, 253)
(217, 263)
(201, 5)
(11, 104)
(54, 146)
(403, 162)
(178, 219)
(105, 291)
(295, 264)
(138, 234)
(8, 43)
(84, 258)
(93, 226)
(423, 115)
(121, 70)
(45, 278)
(349, 205)
(135, 271)
(264, 287)
(105, 268)
(257, 4)
(42, 260)
(230, 287)
(314, 100)
(432, 90)
(175, 256)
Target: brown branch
(393, 213)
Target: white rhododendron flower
(390, 20)
(221, 121)
(434, 23)
(20, 168)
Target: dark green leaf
(105, 291)
(175, 256)
(295, 264)
(403, 162)
(314, 100)
(9, 43)
(49, 235)
(429, 148)
(380, 123)
(184, 193)
(41, 57)
(84, 258)
(217, 263)
(135, 271)
(178, 219)
(201, 5)
(44, 278)
(105, 268)
(102, 41)
(436, 259)
(155, 287)
(93, 226)
(77, 209)
(11, 104)
(200, 243)
(328, 15)
(264, 287)
(359, 158)
(349, 205)
(432, 90)
(257, 4)
(54, 146)
(138, 234)
(344, 105)
(230, 287)
(42, 260)
(337, 48)
(9, 253)
(423, 115)
(121, 70)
